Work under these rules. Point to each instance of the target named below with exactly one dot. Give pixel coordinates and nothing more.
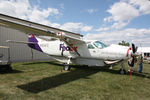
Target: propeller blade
(131, 62)
(136, 49)
(133, 48)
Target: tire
(66, 67)
(122, 72)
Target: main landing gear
(66, 66)
(122, 70)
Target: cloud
(119, 25)
(56, 25)
(124, 11)
(23, 9)
(76, 27)
(142, 5)
(90, 11)
(102, 29)
(70, 26)
(129, 35)
(41, 15)
(86, 28)
(17, 8)
(121, 14)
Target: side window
(99, 44)
(90, 46)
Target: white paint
(92, 57)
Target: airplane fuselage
(88, 51)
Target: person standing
(140, 62)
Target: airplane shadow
(13, 71)
(54, 81)
(32, 63)
(51, 62)
(143, 75)
(63, 78)
(7, 69)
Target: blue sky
(110, 21)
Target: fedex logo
(67, 48)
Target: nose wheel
(122, 71)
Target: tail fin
(32, 42)
(32, 38)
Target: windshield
(99, 44)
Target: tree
(124, 43)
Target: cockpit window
(90, 46)
(99, 44)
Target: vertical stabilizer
(32, 38)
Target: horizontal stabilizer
(5, 47)
(23, 42)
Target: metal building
(145, 51)
(18, 52)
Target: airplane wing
(34, 28)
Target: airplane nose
(130, 54)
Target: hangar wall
(18, 52)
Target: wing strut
(71, 46)
(65, 40)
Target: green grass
(44, 81)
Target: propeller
(134, 50)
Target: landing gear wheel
(122, 71)
(66, 67)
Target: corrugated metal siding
(18, 52)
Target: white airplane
(71, 49)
